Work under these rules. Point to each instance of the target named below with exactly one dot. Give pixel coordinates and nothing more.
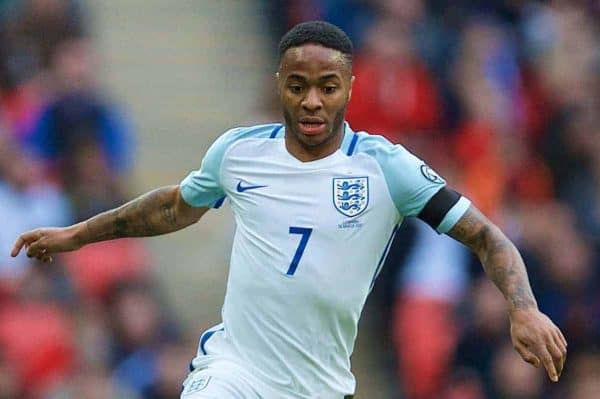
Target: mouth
(312, 126)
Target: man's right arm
(160, 211)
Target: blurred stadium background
(101, 100)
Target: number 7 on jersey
(305, 232)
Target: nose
(312, 101)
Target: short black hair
(317, 32)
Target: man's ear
(350, 91)
(277, 77)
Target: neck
(308, 153)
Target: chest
(340, 197)
(311, 228)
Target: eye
(296, 89)
(329, 89)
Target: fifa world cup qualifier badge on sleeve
(431, 175)
(350, 195)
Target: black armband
(438, 206)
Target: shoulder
(250, 132)
(402, 169)
(410, 182)
(381, 148)
(241, 134)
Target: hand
(42, 243)
(538, 340)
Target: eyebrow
(321, 78)
(330, 76)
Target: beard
(312, 142)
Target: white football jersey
(310, 239)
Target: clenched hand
(538, 340)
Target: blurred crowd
(502, 98)
(92, 324)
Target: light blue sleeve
(410, 181)
(202, 187)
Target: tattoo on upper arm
(168, 213)
(152, 220)
(121, 227)
(471, 229)
(151, 214)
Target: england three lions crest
(351, 195)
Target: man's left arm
(533, 334)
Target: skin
(158, 212)
(534, 336)
(314, 81)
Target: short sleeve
(411, 182)
(202, 187)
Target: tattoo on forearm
(499, 257)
